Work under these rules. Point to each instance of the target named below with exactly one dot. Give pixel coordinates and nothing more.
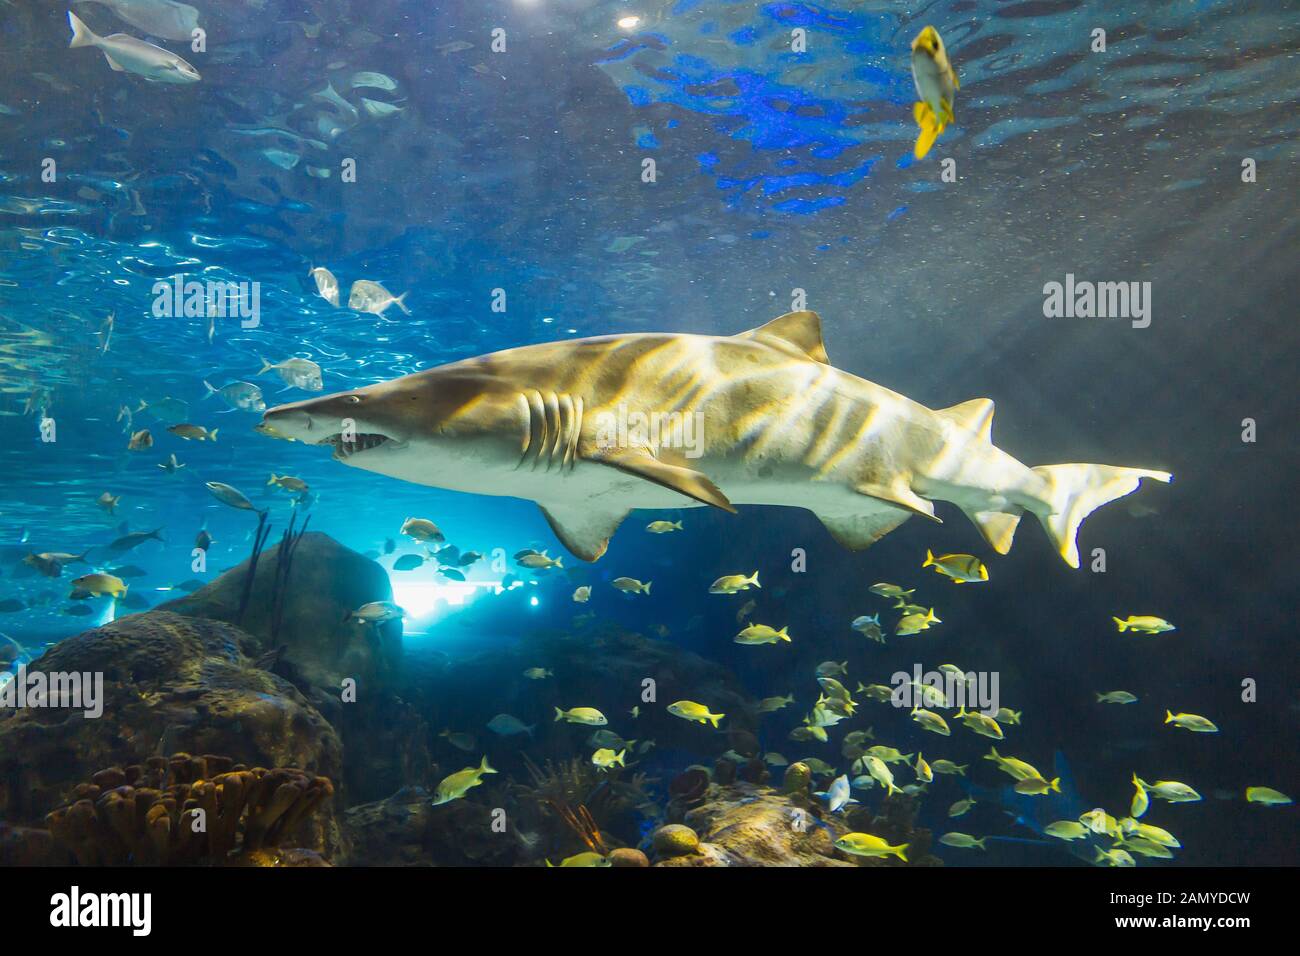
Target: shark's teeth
(346, 449)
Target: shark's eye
(353, 399)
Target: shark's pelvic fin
(862, 531)
(1075, 491)
(900, 495)
(998, 527)
(642, 464)
(800, 330)
(974, 416)
(584, 531)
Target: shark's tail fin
(1076, 491)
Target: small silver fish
(326, 284)
(298, 372)
(367, 296)
(231, 496)
(125, 53)
(244, 396)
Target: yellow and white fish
(962, 568)
(936, 86)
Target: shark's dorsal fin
(584, 530)
(639, 462)
(974, 416)
(802, 330)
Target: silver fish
(127, 54)
(244, 396)
(298, 372)
(326, 284)
(161, 18)
(367, 296)
(231, 496)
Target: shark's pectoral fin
(857, 532)
(582, 529)
(639, 462)
(901, 496)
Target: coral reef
(171, 683)
(749, 825)
(675, 839)
(186, 810)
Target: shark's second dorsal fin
(802, 330)
(974, 416)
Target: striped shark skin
(591, 429)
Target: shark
(593, 428)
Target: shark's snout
(289, 422)
(318, 422)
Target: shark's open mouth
(358, 444)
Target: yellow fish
(663, 527)
(733, 583)
(963, 840)
(770, 705)
(1139, 803)
(916, 623)
(962, 568)
(890, 591)
(1066, 830)
(604, 758)
(864, 844)
(1193, 722)
(1143, 624)
(762, 634)
(690, 710)
(1267, 796)
(1037, 786)
(589, 858)
(589, 716)
(936, 86)
(931, 721)
(456, 785)
(99, 585)
(537, 673)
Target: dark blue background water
(521, 171)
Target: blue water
(517, 176)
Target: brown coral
(184, 810)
